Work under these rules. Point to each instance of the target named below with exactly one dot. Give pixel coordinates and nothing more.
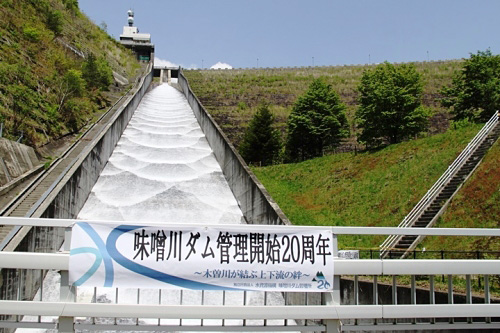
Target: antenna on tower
(130, 17)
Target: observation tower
(140, 43)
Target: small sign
(205, 258)
(349, 254)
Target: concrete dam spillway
(163, 170)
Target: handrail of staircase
(409, 219)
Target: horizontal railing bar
(438, 266)
(440, 311)
(106, 310)
(204, 328)
(419, 327)
(27, 324)
(60, 261)
(358, 267)
(415, 231)
(44, 222)
(33, 260)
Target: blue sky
(196, 33)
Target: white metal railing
(433, 192)
(303, 315)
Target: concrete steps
(447, 191)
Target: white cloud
(164, 63)
(221, 65)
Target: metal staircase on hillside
(433, 204)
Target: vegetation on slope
(365, 189)
(232, 96)
(475, 92)
(261, 143)
(390, 109)
(42, 48)
(316, 124)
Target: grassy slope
(40, 59)
(232, 96)
(477, 205)
(367, 189)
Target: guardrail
(433, 192)
(362, 310)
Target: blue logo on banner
(107, 252)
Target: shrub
(22, 101)
(32, 34)
(72, 6)
(97, 72)
(74, 82)
(76, 112)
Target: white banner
(208, 258)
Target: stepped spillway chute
(163, 169)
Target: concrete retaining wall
(256, 204)
(15, 160)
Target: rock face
(15, 160)
(119, 79)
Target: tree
(390, 107)
(317, 122)
(261, 142)
(97, 72)
(475, 90)
(55, 22)
(22, 102)
(72, 85)
(72, 6)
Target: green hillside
(42, 45)
(232, 96)
(364, 189)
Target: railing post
(487, 294)
(468, 293)
(332, 326)
(333, 298)
(450, 295)
(432, 295)
(68, 292)
(66, 324)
